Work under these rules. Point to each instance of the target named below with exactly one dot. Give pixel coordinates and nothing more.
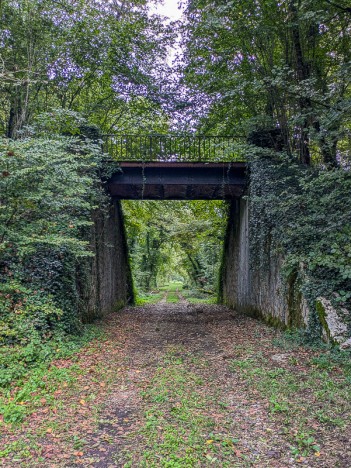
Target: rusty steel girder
(178, 181)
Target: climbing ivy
(303, 214)
(49, 187)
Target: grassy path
(183, 385)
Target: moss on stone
(322, 315)
(294, 301)
(119, 305)
(275, 322)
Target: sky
(168, 8)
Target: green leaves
(171, 240)
(271, 64)
(46, 205)
(100, 59)
(48, 195)
(307, 216)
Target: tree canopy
(268, 64)
(105, 60)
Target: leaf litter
(187, 385)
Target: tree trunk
(302, 73)
(18, 116)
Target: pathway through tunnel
(194, 383)
(175, 249)
(178, 380)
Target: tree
(270, 64)
(170, 238)
(102, 60)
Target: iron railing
(195, 148)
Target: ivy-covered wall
(260, 291)
(63, 252)
(105, 281)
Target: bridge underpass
(168, 167)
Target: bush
(49, 186)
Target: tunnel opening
(175, 248)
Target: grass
(199, 297)
(317, 390)
(178, 428)
(149, 298)
(305, 401)
(26, 380)
(172, 297)
(196, 300)
(171, 291)
(47, 405)
(172, 286)
(194, 408)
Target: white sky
(167, 8)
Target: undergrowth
(25, 378)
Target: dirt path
(182, 385)
(186, 399)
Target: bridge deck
(178, 181)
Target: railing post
(170, 147)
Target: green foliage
(175, 241)
(46, 187)
(102, 60)
(264, 64)
(172, 298)
(306, 214)
(26, 314)
(24, 369)
(59, 122)
(49, 186)
(148, 298)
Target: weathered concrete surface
(334, 327)
(257, 292)
(106, 283)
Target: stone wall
(259, 292)
(106, 282)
